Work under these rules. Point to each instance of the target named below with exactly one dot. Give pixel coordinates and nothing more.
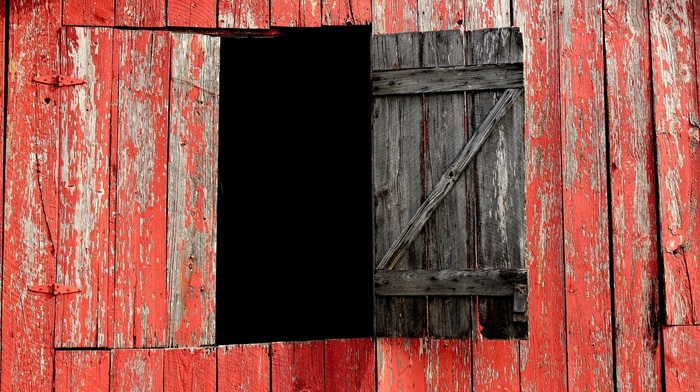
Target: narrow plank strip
(88, 12)
(496, 365)
(633, 189)
(401, 365)
(141, 307)
(295, 13)
(350, 365)
(140, 13)
(31, 195)
(346, 12)
(443, 79)
(543, 354)
(244, 368)
(192, 13)
(490, 282)
(190, 369)
(137, 370)
(83, 257)
(297, 366)
(192, 189)
(587, 251)
(681, 363)
(248, 14)
(676, 120)
(449, 365)
(84, 370)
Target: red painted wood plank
(633, 189)
(543, 354)
(449, 365)
(681, 362)
(487, 13)
(248, 14)
(401, 365)
(350, 365)
(140, 13)
(31, 195)
(88, 12)
(496, 365)
(346, 12)
(189, 369)
(193, 185)
(141, 299)
(83, 257)
(394, 16)
(586, 248)
(295, 13)
(83, 370)
(244, 368)
(137, 370)
(675, 112)
(192, 13)
(297, 366)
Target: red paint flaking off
(244, 367)
(137, 370)
(402, 365)
(297, 366)
(192, 13)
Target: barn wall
(612, 186)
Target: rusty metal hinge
(59, 80)
(55, 289)
(520, 295)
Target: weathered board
(346, 12)
(137, 370)
(192, 189)
(189, 369)
(248, 14)
(349, 365)
(140, 13)
(192, 13)
(297, 366)
(496, 365)
(681, 343)
(243, 368)
(82, 371)
(295, 13)
(88, 12)
(633, 197)
(586, 225)
(402, 365)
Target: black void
(294, 204)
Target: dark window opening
(294, 204)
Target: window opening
(294, 246)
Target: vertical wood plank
(140, 13)
(496, 366)
(295, 13)
(633, 196)
(486, 14)
(192, 13)
(401, 365)
(31, 194)
(141, 308)
(350, 365)
(88, 12)
(192, 189)
(137, 370)
(83, 257)
(587, 252)
(248, 14)
(190, 369)
(449, 365)
(84, 370)
(243, 368)
(398, 161)
(434, 15)
(543, 354)
(681, 364)
(394, 16)
(297, 366)
(346, 12)
(676, 118)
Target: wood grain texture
(82, 371)
(243, 368)
(295, 13)
(298, 366)
(584, 167)
(349, 365)
(192, 189)
(496, 365)
(190, 369)
(346, 12)
(248, 14)
(88, 12)
(487, 14)
(141, 307)
(680, 362)
(137, 370)
(401, 365)
(394, 16)
(192, 13)
(398, 180)
(30, 229)
(486, 282)
(676, 120)
(83, 257)
(437, 15)
(140, 13)
(543, 354)
(633, 196)
(449, 365)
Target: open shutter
(449, 185)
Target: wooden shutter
(449, 185)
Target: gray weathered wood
(447, 79)
(488, 282)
